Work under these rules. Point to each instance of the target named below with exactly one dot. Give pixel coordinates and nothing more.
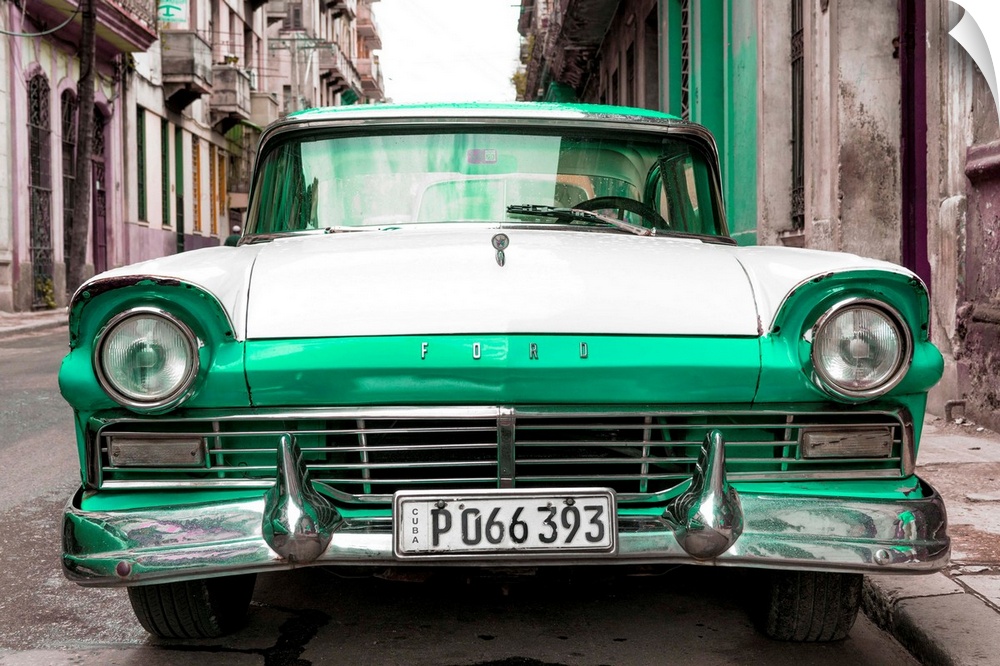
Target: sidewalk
(947, 618)
(952, 617)
(22, 323)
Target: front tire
(811, 606)
(204, 608)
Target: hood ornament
(500, 243)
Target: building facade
(842, 125)
(39, 164)
(322, 53)
(182, 93)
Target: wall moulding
(982, 161)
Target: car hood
(448, 280)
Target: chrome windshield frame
(444, 119)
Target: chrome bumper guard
(292, 525)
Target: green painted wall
(670, 35)
(739, 158)
(708, 83)
(723, 93)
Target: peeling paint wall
(739, 143)
(963, 184)
(853, 191)
(979, 316)
(774, 131)
(6, 176)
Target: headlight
(860, 349)
(146, 358)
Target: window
(686, 59)
(319, 182)
(99, 190)
(165, 170)
(179, 184)
(295, 16)
(196, 177)
(68, 105)
(223, 191)
(213, 186)
(651, 61)
(630, 75)
(798, 117)
(40, 191)
(140, 161)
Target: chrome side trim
(415, 412)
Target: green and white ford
(497, 336)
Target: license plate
(504, 522)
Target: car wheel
(811, 606)
(204, 608)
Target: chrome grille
(364, 455)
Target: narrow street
(316, 616)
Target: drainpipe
(913, 139)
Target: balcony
(347, 8)
(367, 26)
(276, 10)
(230, 96)
(123, 26)
(263, 108)
(187, 67)
(336, 69)
(371, 78)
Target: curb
(24, 329)
(933, 617)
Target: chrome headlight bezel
(179, 392)
(891, 379)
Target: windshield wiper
(537, 210)
(342, 229)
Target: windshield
(345, 182)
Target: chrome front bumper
(709, 523)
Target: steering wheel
(623, 204)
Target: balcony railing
(276, 10)
(368, 27)
(338, 69)
(230, 95)
(187, 67)
(349, 8)
(264, 108)
(371, 77)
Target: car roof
(536, 110)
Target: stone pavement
(946, 618)
(24, 323)
(952, 617)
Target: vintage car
(497, 336)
